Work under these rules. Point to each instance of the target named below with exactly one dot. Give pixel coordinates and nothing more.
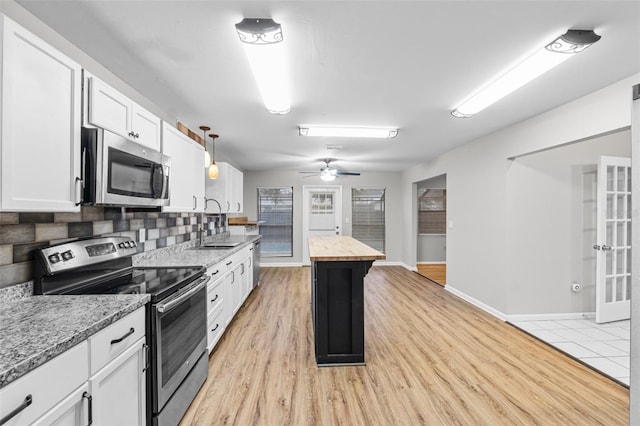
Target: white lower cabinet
(231, 283)
(118, 390)
(72, 389)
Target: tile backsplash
(21, 233)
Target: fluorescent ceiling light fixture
(554, 53)
(348, 132)
(263, 45)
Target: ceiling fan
(329, 173)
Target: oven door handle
(187, 294)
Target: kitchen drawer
(48, 385)
(217, 271)
(215, 327)
(215, 295)
(107, 344)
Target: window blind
(368, 216)
(275, 212)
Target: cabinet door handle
(195, 202)
(228, 206)
(27, 402)
(89, 399)
(215, 328)
(215, 273)
(229, 262)
(146, 357)
(79, 186)
(242, 272)
(238, 206)
(127, 334)
(215, 298)
(233, 277)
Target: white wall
(477, 245)
(549, 247)
(393, 213)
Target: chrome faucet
(206, 200)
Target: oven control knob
(54, 258)
(67, 255)
(133, 243)
(128, 244)
(121, 245)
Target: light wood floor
(431, 359)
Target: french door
(613, 245)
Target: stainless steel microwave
(119, 172)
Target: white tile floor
(604, 347)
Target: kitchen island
(338, 267)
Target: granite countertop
(194, 256)
(36, 329)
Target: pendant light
(207, 157)
(213, 168)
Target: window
(367, 211)
(432, 211)
(275, 211)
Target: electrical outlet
(142, 235)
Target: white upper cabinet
(40, 124)
(186, 182)
(226, 190)
(109, 109)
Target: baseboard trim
(550, 317)
(496, 313)
(280, 265)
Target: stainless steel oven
(117, 171)
(178, 326)
(175, 318)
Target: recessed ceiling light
(348, 132)
(554, 53)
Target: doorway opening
(431, 253)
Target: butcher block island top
(341, 248)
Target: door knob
(596, 247)
(606, 247)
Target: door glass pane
(628, 179)
(628, 268)
(609, 290)
(620, 234)
(622, 179)
(368, 216)
(610, 178)
(610, 206)
(609, 238)
(620, 261)
(628, 233)
(621, 289)
(609, 262)
(621, 209)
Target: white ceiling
(380, 63)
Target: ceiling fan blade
(308, 172)
(308, 176)
(340, 173)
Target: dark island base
(337, 300)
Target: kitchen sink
(223, 244)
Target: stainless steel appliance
(176, 317)
(256, 263)
(117, 171)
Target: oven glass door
(180, 329)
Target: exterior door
(613, 245)
(322, 214)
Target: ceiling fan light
(327, 176)
(214, 172)
(541, 61)
(349, 132)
